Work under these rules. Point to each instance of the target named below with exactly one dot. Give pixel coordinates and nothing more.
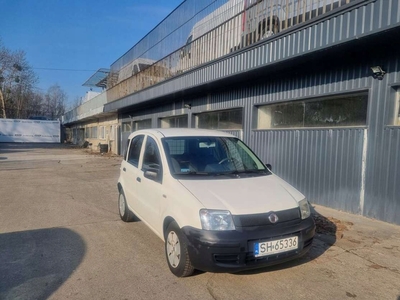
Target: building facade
(313, 90)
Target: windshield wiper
(193, 173)
(253, 171)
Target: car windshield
(211, 156)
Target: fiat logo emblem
(273, 218)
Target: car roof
(176, 132)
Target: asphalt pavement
(61, 238)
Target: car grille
(230, 259)
(262, 219)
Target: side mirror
(152, 175)
(269, 166)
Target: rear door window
(134, 150)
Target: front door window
(151, 158)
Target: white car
(216, 206)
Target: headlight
(216, 220)
(304, 209)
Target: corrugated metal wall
(382, 187)
(352, 169)
(325, 164)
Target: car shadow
(12, 150)
(35, 263)
(135, 219)
(13, 147)
(26, 147)
(325, 236)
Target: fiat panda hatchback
(213, 202)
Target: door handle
(138, 179)
(124, 169)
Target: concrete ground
(61, 238)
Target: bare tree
(17, 96)
(16, 83)
(77, 102)
(35, 106)
(55, 102)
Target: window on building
(343, 110)
(112, 132)
(142, 124)
(102, 134)
(126, 127)
(91, 132)
(74, 133)
(226, 119)
(94, 132)
(175, 122)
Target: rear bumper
(233, 251)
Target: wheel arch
(168, 220)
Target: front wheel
(176, 251)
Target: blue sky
(77, 35)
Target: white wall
(29, 131)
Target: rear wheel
(176, 251)
(125, 214)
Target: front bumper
(232, 251)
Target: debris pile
(330, 226)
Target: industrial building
(313, 86)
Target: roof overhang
(98, 79)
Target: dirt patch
(376, 267)
(351, 295)
(97, 153)
(330, 226)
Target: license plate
(276, 246)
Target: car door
(151, 187)
(131, 173)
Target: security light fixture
(378, 72)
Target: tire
(125, 214)
(176, 251)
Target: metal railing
(88, 109)
(230, 26)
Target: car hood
(244, 195)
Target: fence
(211, 30)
